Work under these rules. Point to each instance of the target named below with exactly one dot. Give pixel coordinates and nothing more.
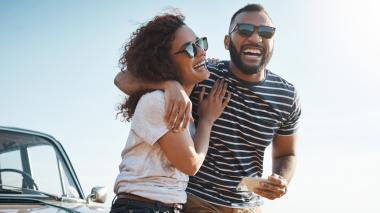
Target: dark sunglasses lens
(266, 32)
(245, 29)
(202, 43)
(191, 50)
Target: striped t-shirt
(255, 114)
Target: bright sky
(58, 60)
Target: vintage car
(36, 175)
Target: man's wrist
(169, 84)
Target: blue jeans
(122, 205)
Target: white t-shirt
(145, 170)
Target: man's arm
(177, 104)
(283, 167)
(284, 156)
(129, 84)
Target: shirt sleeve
(290, 126)
(148, 120)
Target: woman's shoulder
(153, 101)
(155, 95)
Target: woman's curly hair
(147, 56)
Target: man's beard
(246, 69)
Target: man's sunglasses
(191, 48)
(247, 30)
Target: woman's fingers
(222, 95)
(226, 100)
(214, 88)
(219, 90)
(201, 95)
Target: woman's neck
(188, 89)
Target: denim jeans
(122, 205)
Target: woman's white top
(145, 170)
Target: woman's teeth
(197, 66)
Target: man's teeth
(199, 65)
(252, 52)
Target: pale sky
(58, 60)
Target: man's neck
(254, 78)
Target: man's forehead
(253, 17)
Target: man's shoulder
(221, 66)
(278, 81)
(218, 70)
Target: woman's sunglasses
(247, 30)
(191, 48)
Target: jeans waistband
(128, 196)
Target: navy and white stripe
(254, 115)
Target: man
(263, 110)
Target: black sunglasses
(247, 30)
(191, 48)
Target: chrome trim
(36, 201)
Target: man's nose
(255, 37)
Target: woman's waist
(163, 192)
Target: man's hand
(177, 106)
(177, 102)
(274, 187)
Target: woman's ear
(226, 41)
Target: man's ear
(226, 41)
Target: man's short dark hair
(248, 8)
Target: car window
(70, 189)
(34, 162)
(11, 160)
(44, 167)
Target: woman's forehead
(183, 35)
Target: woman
(156, 161)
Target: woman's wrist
(206, 121)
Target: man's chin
(251, 63)
(252, 66)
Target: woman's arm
(184, 153)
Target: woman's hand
(211, 108)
